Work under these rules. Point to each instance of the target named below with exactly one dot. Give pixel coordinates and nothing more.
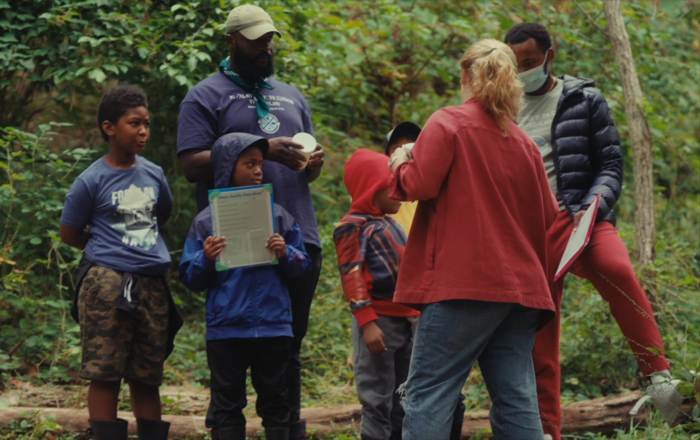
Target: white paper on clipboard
(245, 217)
(578, 239)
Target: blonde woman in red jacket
(475, 261)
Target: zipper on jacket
(554, 151)
(554, 123)
(256, 312)
(213, 304)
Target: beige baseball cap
(251, 21)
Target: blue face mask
(534, 79)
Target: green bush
(36, 272)
(363, 66)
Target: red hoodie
(369, 243)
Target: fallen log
(323, 420)
(602, 415)
(598, 415)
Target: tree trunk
(640, 135)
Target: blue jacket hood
(225, 152)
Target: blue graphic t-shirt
(122, 209)
(218, 106)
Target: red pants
(605, 263)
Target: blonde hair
(492, 75)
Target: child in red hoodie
(370, 247)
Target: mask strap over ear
(546, 54)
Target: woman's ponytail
(492, 74)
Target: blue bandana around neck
(261, 104)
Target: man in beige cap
(251, 21)
(243, 98)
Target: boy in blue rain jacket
(249, 318)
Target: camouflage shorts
(116, 345)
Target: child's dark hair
(522, 32)
(116, 102)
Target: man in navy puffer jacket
(571, 123)
(249, 312)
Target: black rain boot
(276, 433)
(152, 429)
(228, 433)
(297, 430)
(109, 429)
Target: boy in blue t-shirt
(249, 316)
(113, 212)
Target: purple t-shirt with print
(122, 208)
(218, 106)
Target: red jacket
(369, 243)
(485, 207)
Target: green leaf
(111, 68)
(334, 20)
(82, 70)
(97, 74)
(143, 52)
(203, 56)
(9, 38)
(35, 241)
(354, 57)
(192, 63)
(28, 64)
(9, 365)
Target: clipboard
(243, 215)
(579, 239)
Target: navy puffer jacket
(587, 153)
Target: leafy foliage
(36, 426)
(363, 66)
(34, 299)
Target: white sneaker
(667, 399)
(548, 437)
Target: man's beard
(248, 69)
